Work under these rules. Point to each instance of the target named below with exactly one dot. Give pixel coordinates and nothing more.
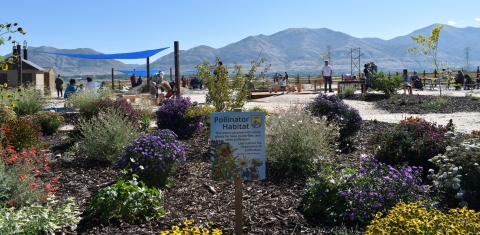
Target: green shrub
(322, 195)
(50, 122)
(458, 173)
(349, 91)
(296, 140)
(20, 133)
(435, 104)
(7, 114)
(124, 108)
(83, 99)
(145, 114)
(127, 200)
(39, 219)
(414, 218)
(204, 111)
(412, 141)
(105, 135)
(387, 84)
(257, 109)
(29, 100)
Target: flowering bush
(127, 200)
(459, 172)
(29, 100)
(153, 157)
(125, 108)
(296, 141)
(413, 218)
(333, 108)
(20, 174)
(40, 218)
(50, 122)
(378, 187)
(20, 133)
(7, 113)
(204, 111)
(413, 140)
(192, 230)
(322, 195)
(171, 115)
(105, 135)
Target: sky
(122, 26)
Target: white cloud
(451, 22)
(477, 19)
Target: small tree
(9, 29)
(429, 46)
(227, 94)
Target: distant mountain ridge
(294, 50)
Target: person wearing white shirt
(90, 86)
(327, 76)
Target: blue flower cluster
(334, 109)
(171, 115)
(378, 187)
(154, 154)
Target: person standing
(459, 80)
(133, 80)
(275, 78)
(327, 76)
(368, 75)
(407, 87)
(286, 77)
(59, 86)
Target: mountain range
(295, 50)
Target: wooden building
(31, 73)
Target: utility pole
(353, 63)
(467, 58)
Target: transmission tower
(329, 54)
(353, 63)
(467, 58)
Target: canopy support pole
(113, 81)
(148, 73)
(177, 66)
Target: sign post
(238, 152)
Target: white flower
(455, 186)
(460, 194)
(431, 171)
(141, 167)
(132, 160)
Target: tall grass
(84, 98)
(28, 100)
(105, 135)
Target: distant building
(31, 73)
(49, 78)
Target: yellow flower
(205, 230)
(13, 105)
(164, 233)
(175, 228)
(5, 66)
(243, 162)
(217, 231)
(188, 222)
(5, 84)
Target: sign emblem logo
(256, 121)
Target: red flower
(11, 204)
(55, 180)
(22, 177)
(32, 185)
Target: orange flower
(32, 185)
(22, 177)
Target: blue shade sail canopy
(130, 55)
(139, 72)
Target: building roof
(48, 69)
(33, 65)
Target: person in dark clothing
(459, 80)
(59, 86)
(139, 81)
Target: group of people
(460, 79)
(72, 88)
(284, 80)
(136, 82)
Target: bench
(471, 86)
(342, 84)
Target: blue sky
(126, 26)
